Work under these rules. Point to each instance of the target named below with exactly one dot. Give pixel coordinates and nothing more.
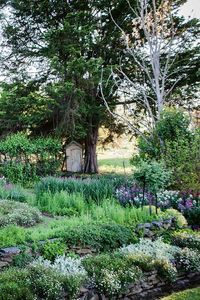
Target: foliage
(22, 214)
(153, 175)
(61, 203)
(22, 259)
(24, 159)
(173, 142)
(52, 249)
(188, 260)
(101, 237)
(68, 271)
(91, 189)
(173, 124)
(11, 236)
(45, 283)
(14, 285)
(13, 192)
(193, 216)
(183, 155)
(111, 274)
(180, 219)
(156, 249)
(189, 239)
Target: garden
(101, 236)
(79, 78)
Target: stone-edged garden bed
(151, 287)
(147, 230)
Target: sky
(191, 8)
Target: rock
(83, 290)
(9, 251)
(147, 225)
(95, 297)
(84, 252)
(157, 224)
(3, 264)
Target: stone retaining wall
(152, 287)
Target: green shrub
(147, 263)
(51, 250)
(193, 216)
(21, 214)
(183, 157)
(12, 192)
(110, 210)
(61, 279)
(14, 285)
(11, 236)
(173, 124)
(173, 142)
(187, 239)
(180, 219)
(111, 274)
(46, 283)
(152, 176)
(100, 237)
(22, 259)
(24, 159)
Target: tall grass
(94, 188)
(91, 189)
(61, 203)
(110, 210)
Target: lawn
(115, 165)
(192, 294)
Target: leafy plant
(14, 285)
(62, 203)
(101, 237)
(52, 249)
(152, 176)
(188, 239)
(22, 214)
(11, 236)
(111, 274)
(24, 159)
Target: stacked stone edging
(152, 287)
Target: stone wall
(152, 287)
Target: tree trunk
(90, 160)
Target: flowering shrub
(110, 274)
(69, 273)
(188, 260)
(167, 199)
(45, 282)
(187, 239)
(133, 195)
(16, 213)
(157, 249)
(64, 265)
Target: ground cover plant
(12, 212)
